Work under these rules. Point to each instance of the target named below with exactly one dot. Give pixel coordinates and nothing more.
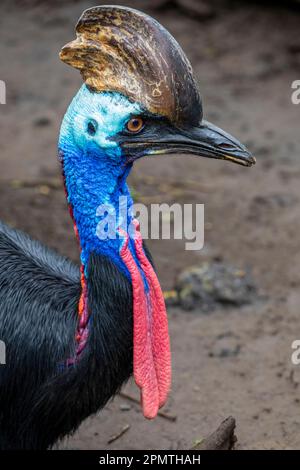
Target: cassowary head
(140, 97)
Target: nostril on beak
(226, 146)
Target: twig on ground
(52, 183)
(119, 434)
(221, 439)
(162, 414)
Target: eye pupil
(135, 124)
(92, 127)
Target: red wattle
(151, 344)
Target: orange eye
(135, 124)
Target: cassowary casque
(74, 336)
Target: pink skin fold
(151, 343)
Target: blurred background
(234, 307)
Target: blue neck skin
(95, 172)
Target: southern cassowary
(73, 336)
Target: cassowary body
(74, 335)
(42, 399)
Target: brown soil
(245, 58)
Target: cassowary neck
(100, 203)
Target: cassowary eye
(92, 127)
(135, 124)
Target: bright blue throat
(95, 172)
(95, 200)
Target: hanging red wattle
(151, 343)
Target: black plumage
(41, 399)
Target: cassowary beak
(209, 141)
(206, 140)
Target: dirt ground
(246, 57)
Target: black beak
(206, 140)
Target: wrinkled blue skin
(94, 168)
